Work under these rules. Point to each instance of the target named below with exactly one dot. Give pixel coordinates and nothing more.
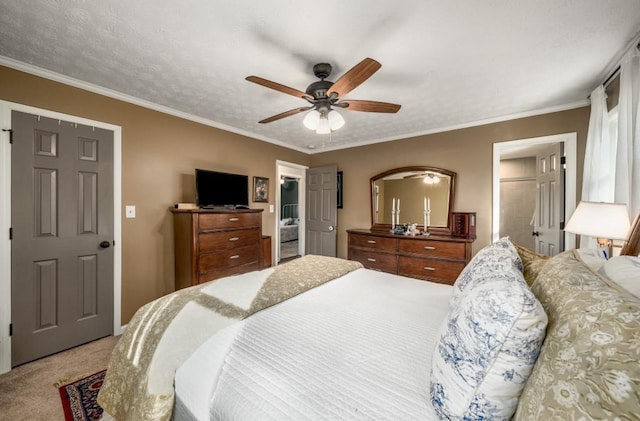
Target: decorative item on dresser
(210, 244)
(464, 224)
(436, 253)
(433, 258)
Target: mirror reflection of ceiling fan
(427, 177)
(325, 96)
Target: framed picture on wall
(260, 189)
(339, 178)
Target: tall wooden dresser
(433, 258)
(210, 244)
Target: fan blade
(354, 77)
(278, 87)
(284, 114)
(370, 106)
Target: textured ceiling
(449, 63)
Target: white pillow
(593, 258)
(488, 343)
(624, 271)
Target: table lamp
(604, 221)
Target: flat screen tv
(219, 189)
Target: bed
(288, 230)
(289, 223)
(517, 335)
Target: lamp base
(605, 247)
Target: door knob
(105, 245)
(331, 227)
(535, 233)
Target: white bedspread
(358, 347)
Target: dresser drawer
(432, 269)
(228, 258)
(429, 248)
(225, 240)
(378, 261)
(217, 221)
(372, 242)
(228, 271)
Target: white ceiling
(449, 64)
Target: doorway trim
(288, 169)
(570, 141)
(5, 218)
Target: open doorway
(290, 209)
(289, 224)
(516, 194)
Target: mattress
(358, 347)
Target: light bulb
(335, 120)
(311, 120)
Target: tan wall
(159, 155)
(468, 152)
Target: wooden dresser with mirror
(420, 195)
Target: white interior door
(549, 219)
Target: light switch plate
(271, 208)
(130, 211)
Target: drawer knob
(371, 259)
(429, 268)
(234, 219)
(429, 248)
(371, 241)
(235, 256)
(234, 239)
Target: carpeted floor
(27, 392)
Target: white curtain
(627, 176)
(600, 158)
(600, 154)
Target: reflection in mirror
(413, 195)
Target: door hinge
(562, 225)
(10, 134)
(10, 233)
(563, 160)
(10, 329)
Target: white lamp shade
(598, 219)
(323, 126)
(336, 121)
(311, 120)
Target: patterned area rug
(79, 398)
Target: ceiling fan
(324, 96)
(428, 177)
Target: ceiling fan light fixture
(311, 120)
(336, 120)
(431, 179)
(323, 126)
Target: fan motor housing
(319, 89)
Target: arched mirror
(413, 195)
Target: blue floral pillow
(489, 341)
(500, 256)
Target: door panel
(548, 233)
(61, 212)
(321, 214)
